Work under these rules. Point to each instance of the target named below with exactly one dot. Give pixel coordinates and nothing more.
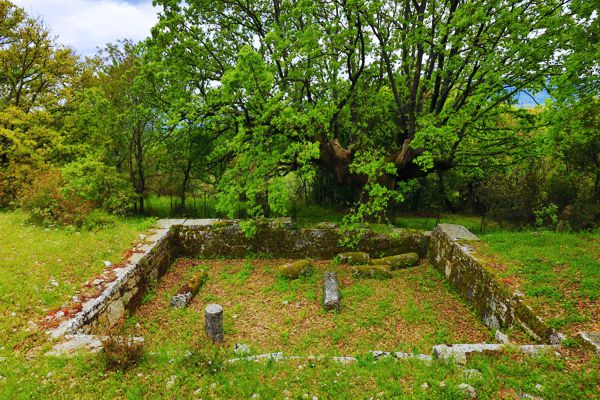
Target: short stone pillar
(331, 292)
(214, 322)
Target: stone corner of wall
(455, 232)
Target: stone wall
(280, 239)
(452, 251)
(122, 287)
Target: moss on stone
(354, 257)
(296, 269)
(398, 261)
(372, 271)
(194, 284)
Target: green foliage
(547, 216)
(48, 203)
(98, 219)
(339, 86)
(100, 184)
(83, 193)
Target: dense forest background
(373, 108)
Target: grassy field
(558, 272)
(42, 268)
(410, 312)
(32, 257)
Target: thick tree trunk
(337, 159)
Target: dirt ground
(409, 312)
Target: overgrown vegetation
(231, 109)
(559, 273)
(410, 312)
(377, 112)
(178, 362)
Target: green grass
(310, 215)
(411, 312)
(30, 256)
(33, 258)
(471, 222)
(204, 375)
(167, 207)
(559, 271)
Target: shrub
(100, 184)
(121, 352)
(546, 216)
(99, 219)
(48, 204)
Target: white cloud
(87, 24)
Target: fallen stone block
(269, 356)
(82, 342)
(184, 295)
(501, 337)
(398, 261)
(344, 359)
(590, 340)
(377, 354)
(331, 292)
(468, 390)
(462, 352)
(241, 349)
(372, 271)
(354, 258)
(296, 269)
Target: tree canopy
(365, 105)
(374, 92)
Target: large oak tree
(376, 92)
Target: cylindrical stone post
(331, 292)
(214, 322)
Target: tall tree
(36, 80)
(376, 92)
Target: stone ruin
(450, 248)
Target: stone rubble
(241, 349)
(81, 342)
(468, 390)
(501, 337)
(461, 352)
(590, 340)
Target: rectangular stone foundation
(209, 238)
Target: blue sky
(87, 24)
(526, 101)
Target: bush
(99, 219)
(48, 204)
(547, 216)
(100, 184)
(121, 352)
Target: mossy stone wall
(452, 250)
(227, 239)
